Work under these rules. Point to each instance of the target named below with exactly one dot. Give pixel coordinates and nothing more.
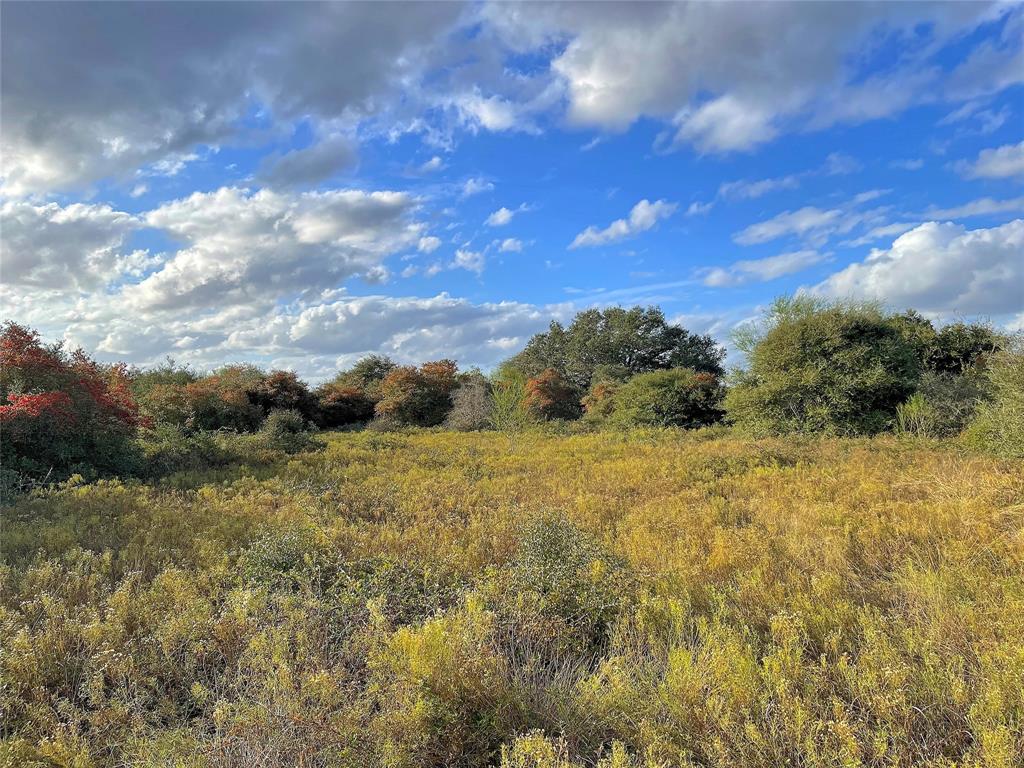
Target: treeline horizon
(811, 367)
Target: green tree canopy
(839, 368)
(633, 341)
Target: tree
(954, 348)
(472, 405)
(340, 405)
(418, 396)
(367, 374)
(549, 396)
(817, 367)
(680, 397)
(62, 413)
(635, 340)
(282, 391)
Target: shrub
(817, 367)
(599, 403)
(943, 405)
(999, 425)
(282, 390)
(63, 413)
(418, 396)
(340, 405)
(287, 431)
(472, 406)
(549, 396)
(367, 374)
(676, 398)
(509, 413)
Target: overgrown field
(614, 599)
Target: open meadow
(418, 598)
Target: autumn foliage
(63, 412)
(550, 396)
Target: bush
(550, 396)
(287, 431)
(63, 413)
(999, 425)
(676, 398)
(943, 405)
(418, 396)
(282, 390)
(472, 406)
(341, 405)
(816, 367)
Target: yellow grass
(640, 599)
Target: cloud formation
(942, 268)
(643, 217)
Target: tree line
(834, 368)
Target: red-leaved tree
(62, 413)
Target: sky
(300, 184)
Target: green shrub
(999, 425)
(679, 397)
(287, 431)
(817, 367)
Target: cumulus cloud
(997, 163)
(428, 244)
(308, 166)
(730, 81)
(500, 217)
(471, 261)
(643, 217)
(511, 245)
(943, 268)
(761, 270)
(252, 248)
(97, 90)
(79, 246)
(475, 186)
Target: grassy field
(434, 598)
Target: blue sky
(299, 185)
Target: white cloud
(433, 164)
(725, 124)
(511, 245)
(500, 217)
(805, 221)
(942, 268)
(982, 207)
(910, 164)
(749, 190)
(475, 186)
(139, 190)
(253, 248)
(997, 163)
(761, 270)
(840, 164)
(428, 244)
(643, 217)
(472, 261)
(698, 208)
(79, 246)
